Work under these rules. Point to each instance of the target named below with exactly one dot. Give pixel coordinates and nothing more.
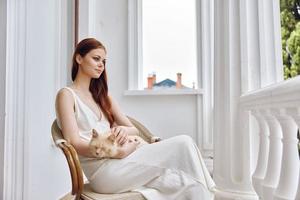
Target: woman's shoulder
(64, 94)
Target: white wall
(48, 174)
(165, 116)
(39, 42)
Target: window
(290, 33)
(163, 40)
(169, 40)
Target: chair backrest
(72, 159)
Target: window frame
(205, 63)
(135, 46)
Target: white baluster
(271, 179)
(295, 113)
(263, 152)
(288, 183)
(298, 193)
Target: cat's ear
(95, 133)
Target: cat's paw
(155, 139)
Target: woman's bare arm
(65, 112)
(121, 120)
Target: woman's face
(93, 63)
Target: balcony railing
(277, 111)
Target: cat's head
(101, 144)
(104, 136)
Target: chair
(81, 190)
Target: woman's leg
(172, 164)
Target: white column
(3, 37)
(221, 100)
(271, 179)
(288, 183)
(205, 72)
(271, 69)
(250, 56)
(16, 154)
(263, 153)
(240, 49)
(231, 141)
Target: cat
(104, 145)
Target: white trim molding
(87, 16)
(135, 42)
(65, 15)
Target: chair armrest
(78, 169)
(72, 167)
(143, 131)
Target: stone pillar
(242, 50)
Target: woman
(177, 173)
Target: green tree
(290, 16)
(290, 35)
(293, 47)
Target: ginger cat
(104, 145)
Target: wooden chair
(81, 190)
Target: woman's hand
(120, 134)
(127, 148)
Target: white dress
(171, 169)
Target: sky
(169, 40)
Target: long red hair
(98, 87)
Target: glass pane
(169, 40)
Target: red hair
(98, 87)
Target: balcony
(276, 110)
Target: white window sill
(163, 92)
